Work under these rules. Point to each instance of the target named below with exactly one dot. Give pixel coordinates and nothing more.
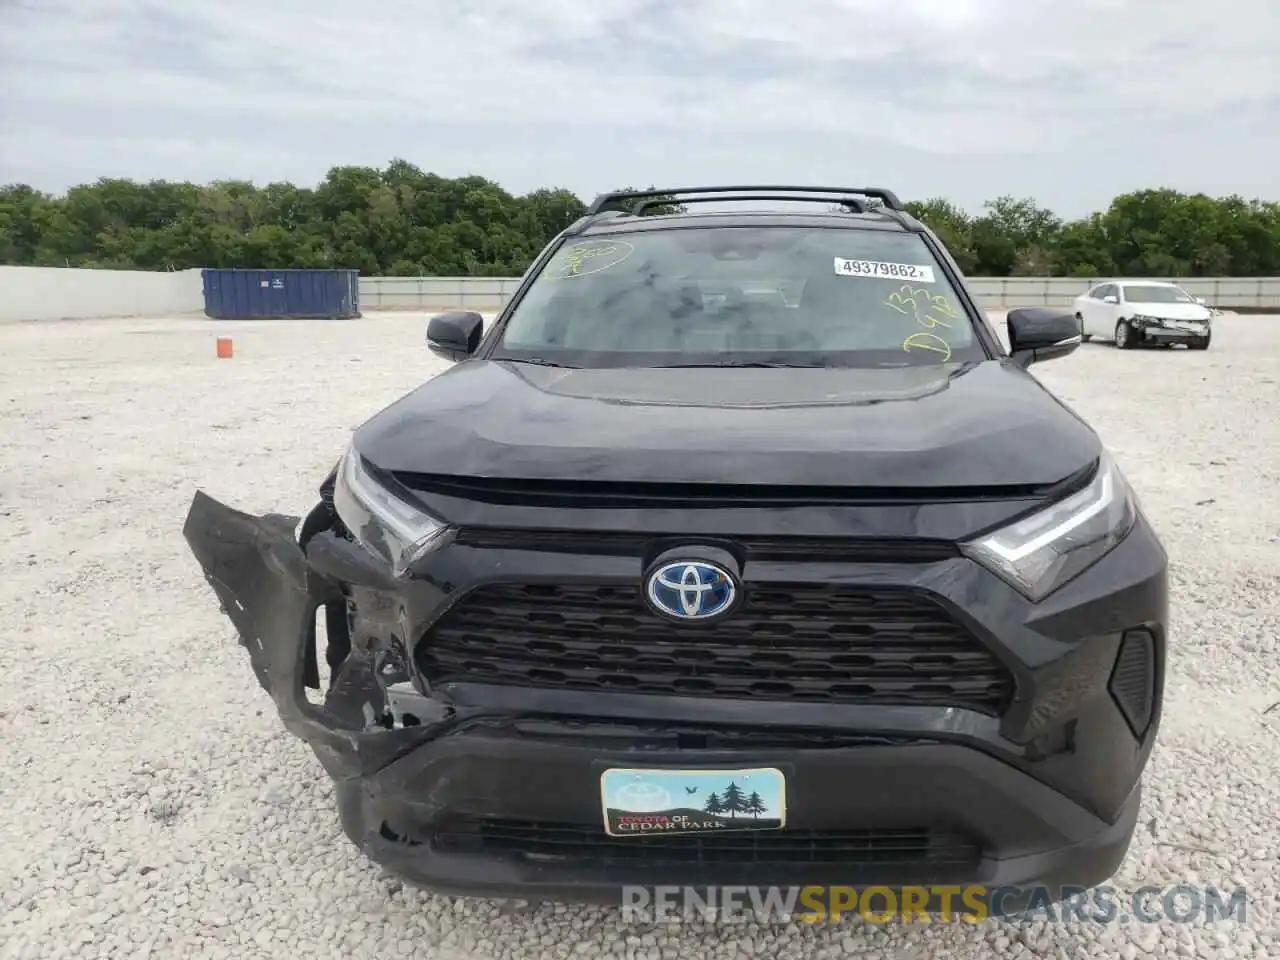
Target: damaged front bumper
(271, 587)
(1171, 331)
(495, 792)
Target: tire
(1084, 337)
(1126, 337)
(1200, 344)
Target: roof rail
(900, 216)
(587, 219)
(853, 205)
(686, 194)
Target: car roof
(613, 222)
(854, 208)
(1094, 285)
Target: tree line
(401, 221)
(735, 802)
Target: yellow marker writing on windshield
(906, 294)
(903, 296)
(584, 259)
(944, 306)
(928, 341)
(923, 305)
(932, 322)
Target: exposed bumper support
(271, 593)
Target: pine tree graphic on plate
(755, 805)
(713, 804)
(734, 802)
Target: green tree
(713, 804)
(734, 802)
(755, 805)
(952, 225)
(402, 220)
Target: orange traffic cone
(225, 350)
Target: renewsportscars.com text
(939, 904)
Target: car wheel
(1200, 344)
(1126, 338)
(1084, 337)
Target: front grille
(777, 548)
(688, 736)
(819, 643)
(602, 494)
(899, 846)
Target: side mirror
(455, 336)
(1111, 298)
(1037, 334)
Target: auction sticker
(878, 270)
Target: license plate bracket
(640, 802)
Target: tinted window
(1104, 291)
(835, 297)
(1150, 293)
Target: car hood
(978, 425)
(1171, 311)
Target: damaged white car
(1147, 312)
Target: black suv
(739, 550)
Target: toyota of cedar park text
(736, 549)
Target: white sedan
(1143, 312)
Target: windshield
(735, 296)
(1150, 293)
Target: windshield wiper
(537, 361)
(738, 363)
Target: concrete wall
(1227, 293)
(61, 293)
(480, 294)
(51, 293)
(485, 295)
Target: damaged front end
(289, 594)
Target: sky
(1067, 103)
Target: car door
(1090, 304)
(1106, 309)
(1083, 306)
(1121, 309)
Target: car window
(1106, 290)
(1153, 293)
(811, 296)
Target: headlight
(1040, 553)
(382, 516)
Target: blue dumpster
(270, 294)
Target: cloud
(965, 98)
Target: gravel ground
(154, 806)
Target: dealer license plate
(643, 803)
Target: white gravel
(154, 806)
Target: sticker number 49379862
(878, 270)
